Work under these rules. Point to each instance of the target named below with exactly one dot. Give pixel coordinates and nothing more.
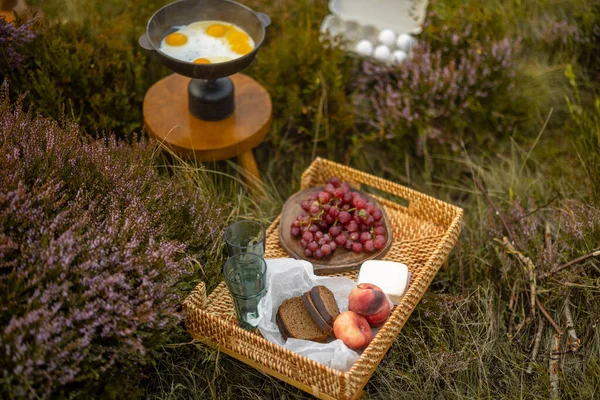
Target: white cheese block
(392, 277)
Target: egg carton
(382, 29)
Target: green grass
(472, 335)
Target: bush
(93, 245)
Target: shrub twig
(577, 260)
(536, 345)
(548, 317)
(512, 304)
(554, 366)
(530, 270)
(572, 339)
(548, 240)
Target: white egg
(406, 42)
(382, 53)
(194, 43)
(399, 56)
(387, 37)
(364, 48)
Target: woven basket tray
(424, 233)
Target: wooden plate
(341, 259)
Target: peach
(366, 299)
(380, 316)
(353, 330)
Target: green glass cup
(245, 236)
(245, 275)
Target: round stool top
(167, 119)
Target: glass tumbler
(245, 275)
(245, 236)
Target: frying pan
(210, 91)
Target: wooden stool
(7, 15)
(167, 119)
(18, 6)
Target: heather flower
(523, 219)
(12, 40)
(579, 220)
(560, 32)
(93, 241)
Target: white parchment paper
(287, 277)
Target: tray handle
(321, 169)
(197, 299)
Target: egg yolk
(242, 48)
(235, 36)
(239, 42)
(176, 39)
(216, 30)
(201, 61)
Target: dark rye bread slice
(298, 323)
(282, 329)
(324, 301)
(312, 310)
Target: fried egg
(207, 42)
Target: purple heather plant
(12, 39)
(579, 220)
(526, 226)
(93, 243)
(556, 31)
(444, 84)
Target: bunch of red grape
(338, 217)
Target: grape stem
(318, 217)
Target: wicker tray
(424, 233)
